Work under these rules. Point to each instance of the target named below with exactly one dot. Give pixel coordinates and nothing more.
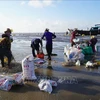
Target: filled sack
(28, 68)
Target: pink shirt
(72, 36)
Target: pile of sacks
(73, 54)
(28, 64)
(28, 73)
(6, 82)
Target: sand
(74, 83)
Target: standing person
(6, 46)
(73, 37)
(8, 33)
(93, 42)
(35, 45)
(5, 50)
(49, 36)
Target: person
(35, 45)
(5, 50)
(93, 42)
(5, 47)
(73, 37)
(49, 36)
(8, 33)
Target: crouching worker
(35, 45)
(5, 45)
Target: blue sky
(57, 15)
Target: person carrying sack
(5, 47)
(5, 50)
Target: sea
(22, 41)
(72, 81)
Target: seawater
(21, 45)
(22, 41)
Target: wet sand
(74, 83)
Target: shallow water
(21, 47)
(74, 82)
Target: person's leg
(2, 61)
(9, 59)
(93, 48)
(2, 56)
(49, 50)
(37, 49)
(72, 44)
(8, 54)
(33, 52)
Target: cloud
(25, 24)
(22, 2)
(47, 2)
(40, 3)
(35, 3)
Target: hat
(46, 29)
(75, 29)
(92, 36)
(8, 30)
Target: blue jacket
(49, 36)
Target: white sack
(45, 85)
(5, 84)
(28, 68)
(73, 54)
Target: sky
(57, 15)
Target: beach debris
(90, 64)
(61, 80)
(46, 85)
(78, 63)
(28, 68)
(72, 54)
(68, 63)
(6, 82)
(38, 61)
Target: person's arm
(41, 42)
(43, 36)
(53, 36)
(11, 38)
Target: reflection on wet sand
(74, 83)
(49, 66)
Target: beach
(74, 82)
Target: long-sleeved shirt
(36, 42)
(49, 36)
(5, 43)
(72, 36)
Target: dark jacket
(93, 41)
(5, 43)
(49, 36)
(36, 42)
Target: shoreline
(74, 83)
